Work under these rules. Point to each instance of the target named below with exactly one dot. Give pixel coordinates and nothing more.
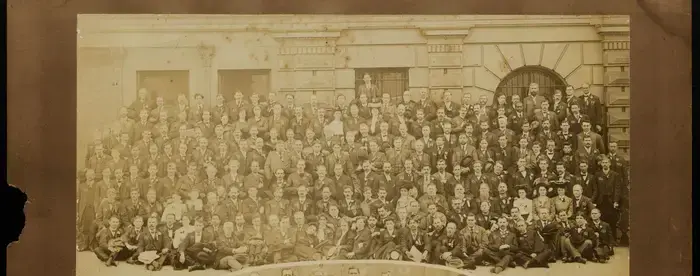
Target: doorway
(246, 81)
(166, 84)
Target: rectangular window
(386, 80)
(166, 84)
(247, 81)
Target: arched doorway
(518, 81)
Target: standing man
(609, 195)
(367, 87)
(533, 100)
(590, 105)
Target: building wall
(320, 54)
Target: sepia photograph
(363, 145)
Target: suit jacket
(190, 241)
(531, 242)
(108, 209)
(584, 205)
(153, 242)
(609, 188)
(105, 235)
(596, 141)
(475, 238)
(408, 241)
(361, 244)
(496, 239)
(602, 229)
(591, 106)
(531, 103)
(575, 122)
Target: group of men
(526, 180)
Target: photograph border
(42, 99)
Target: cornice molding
(327, 25)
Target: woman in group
(541, 201)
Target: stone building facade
(329, 54)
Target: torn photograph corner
(353, 145)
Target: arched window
(518, 82)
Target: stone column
(615, 32)
(206, 53)
(446, 70)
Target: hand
(165, 250)
(533, 255)
(375, 234)
(408, 253)
(445, 255)
(425, 255)
(350, 255)
(616, 205)
(505, 246)
(550, 189)
(599, 128)
(262, 209)
(206, 250)
(597, 234)
(182, 257)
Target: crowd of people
(525, 181)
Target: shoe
(526, 265)
(149, 267)
(496, 270)
(580, 260)
(130, 261)
(470, 266)
(195, 268)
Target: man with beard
(414, 242)
(439, 221)
(230, 252)
(609, 195)
(361, 241)
(548, 229)
(451, 245)
(532, 249)
(533, 100)
(502, 244)
(153, 247)
(196, 250)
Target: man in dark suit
(413, 237)
(582, 204)
(154, 241)
(110, 247)
(591, 106)
(196, 250)
(532, 248)
(609, 195)
(603, 247)
(502, 244)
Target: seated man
(533, 250)
(196, 249)
(230, 253)
(476, 238)
(501, 245)
(603, 249)
(154, 246)
(450, 246)
(581, 238)
(110, 248)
